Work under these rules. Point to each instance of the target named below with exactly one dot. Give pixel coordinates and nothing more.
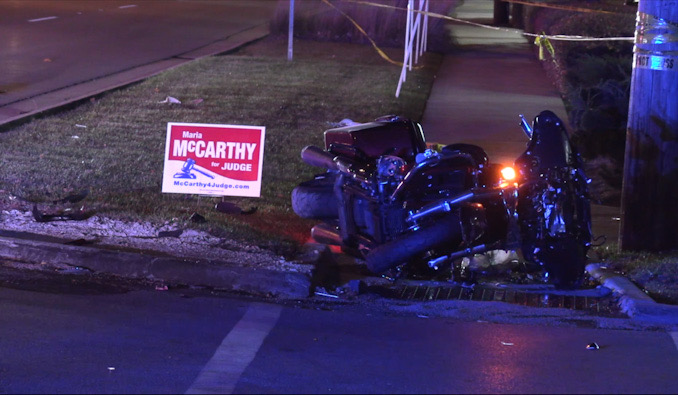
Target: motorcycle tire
(565, 261)
(315, 199)
(414, 244)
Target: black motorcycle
(401, 204)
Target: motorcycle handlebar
(525, 126)
(315, 156)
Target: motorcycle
(405, 205)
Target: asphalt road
(50, 45)
(135, 338)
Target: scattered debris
(170, 100)
(198, 219)
(231, 208)
(75, 270)
(73, 198)
(593, 346)
(318, 293)
(343, 122)
(170, 233)
(194, 103)
(77, 125)
(60, 216)
(506, 344)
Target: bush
(598, 115)
(584, 67)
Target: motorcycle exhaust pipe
(315, 156)
(445, 205)
(324, 234)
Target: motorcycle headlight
(508, 173)
(508, 177)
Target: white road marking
(237, 350)
(42, 19)
(127, 6)
(674, 335)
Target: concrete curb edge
(633, 301)
(222, 275)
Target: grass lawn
(113, 146)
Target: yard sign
(220, 160)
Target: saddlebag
(394, 136)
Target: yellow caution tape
(374, 45)
(434, 146)
(543, 42)
(559, 37)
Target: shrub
(598, 115)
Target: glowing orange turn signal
(508, 173)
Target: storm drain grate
(601, 304)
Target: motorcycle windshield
(549, 144)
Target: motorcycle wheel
(315, 199)
(413, 244)
(565, 262)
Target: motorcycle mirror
(526, 126)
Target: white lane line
(236, 352)
(674, 335)
(127, 6)
(42, 19)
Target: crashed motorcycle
(406, 205)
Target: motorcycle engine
(389, 173)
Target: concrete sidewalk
(485, 84)
(481, 89)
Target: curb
(634, 302)
(231, 276)
(218, 274)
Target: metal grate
(604, 304)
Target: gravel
(144, 236)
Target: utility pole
(649, 204)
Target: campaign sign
(221, 160)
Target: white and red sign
(206, 159)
